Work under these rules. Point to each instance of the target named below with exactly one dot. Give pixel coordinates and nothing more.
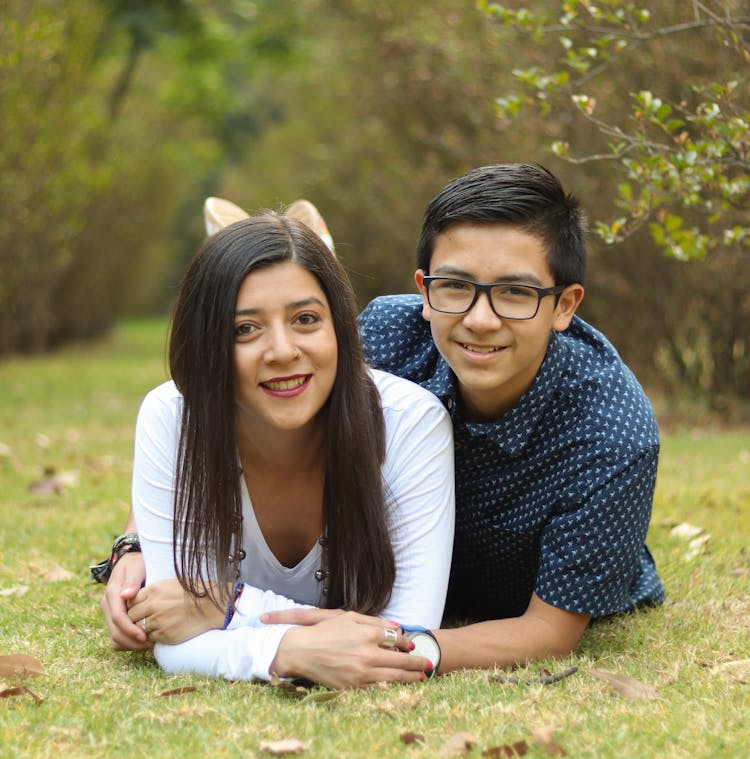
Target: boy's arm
(542, 631)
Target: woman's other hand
(348, 650)
(127, 577)
(168, 614)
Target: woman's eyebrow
(289, 306)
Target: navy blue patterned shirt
(554, 497)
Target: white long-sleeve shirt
(418, 476)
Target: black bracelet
(126, 543)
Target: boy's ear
(419, 276)
(567, 304)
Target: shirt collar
(513, 430)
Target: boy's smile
(495, 359)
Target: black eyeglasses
(507, 299)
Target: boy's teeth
(478, 349)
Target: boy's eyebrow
(520, 277)
(312, 300)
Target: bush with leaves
(652, 103)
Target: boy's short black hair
(527, 196)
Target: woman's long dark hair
(208, 503)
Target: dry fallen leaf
(320, 696)
(685, 531)
(57, 574)
(625, 686)
(543, 738)
(284, 746)
(519, 748)
(20, 665)
(407, 737)
(459, 744)
(178, 691)
(20, 690)
(737, 671)
(20, 590)
(54, 483)
(695, 547)
(296, 691)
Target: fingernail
(412, 645)
(430, 666)
(395, 624)
(422, 677)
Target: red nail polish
(430, 666)
(422, 677)
(412, 645)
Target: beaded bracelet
(126, 543)
(239, 586)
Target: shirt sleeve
(247, 649)
(592, 548)
(418, 473)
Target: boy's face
(495, 359)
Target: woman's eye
(308, 319)
(244, 329)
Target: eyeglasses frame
(479, 288)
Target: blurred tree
(97, 209)
(671, 152)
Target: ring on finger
(390, 636)
(144, 624)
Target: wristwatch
(425, 644)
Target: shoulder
(595, 381)
(396, 338)
(401, 396)
(160, 410)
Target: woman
(276, 468)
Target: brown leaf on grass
(20, 590)
(546, 678)
(20, 690)
(54, 483)
(519, 748)
(287, 686)
(737, 671)
(284, 746)
(56, 573)
(685, 531)
(178, 691)
(320, 696)
(459, 744)
(625, 686)
(543, 738)
(20, 665)
(408, 737)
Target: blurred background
(119, 117)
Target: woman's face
(285, 351)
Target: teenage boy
(556, 446)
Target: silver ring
(144, 625)
(390, 636)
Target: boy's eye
(453, 284)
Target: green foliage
(683, 150)
(74, 412)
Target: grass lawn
(66, 424)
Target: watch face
(425, 645)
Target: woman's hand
(348, 650)
(169, 614)
(124, 582)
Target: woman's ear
(567, 304)
(419, 276)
